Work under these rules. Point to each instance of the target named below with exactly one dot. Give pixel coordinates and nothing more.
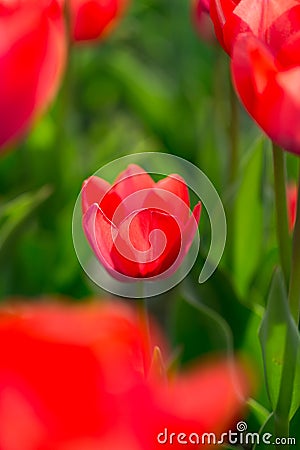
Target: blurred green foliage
(139, 90)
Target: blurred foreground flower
(264, 44)
(72, 378)
(138, 228)
(292, 196)
(94, 19)
(32, 57)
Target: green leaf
(199, 330)
(280, 344)
(266, 434)
(14, 213)
(248, 220)
(259, 411)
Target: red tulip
(263, 39)
(292, 196)
(202, 21)
(71, 378)
(32, 57)
(94, 19)
(138, 228)
(269, 20)
(268, 83)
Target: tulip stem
(281, 211)
(294, 288)
(143, 318)
(234, 136)
(282, 430)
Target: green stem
(281, 211)
(64, 118)
(234, 137)
(145, 330)
(233, 134)
(282, 411)
(284, 403)
(294, 288)
(282, 430)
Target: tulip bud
(202, 20)
(94, 19)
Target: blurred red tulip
(292, 196)
(202, 20)
(263, 39)
(269, 20)
(32, 57)
(268, 84)
(138, 228)
(71, 378)
(94, 19)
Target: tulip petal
(133, 179)
(233, 17)
(45, 362)
(202, 20)
(270, 94)
(177, 186)
(259, 15)
(284, 28)
(97, 190)
(188, 234)
(288, 54)
(32, 43)
(220, 12)
(292, 196)
(209, 398)
(28, 426)
(252, 67)
(150, 242)
(98, 230)
(219, 391)
(191, 227)
(93, 191)
(94, 19)
(103, 237)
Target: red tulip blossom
(94, 19)
(292, 196)
(202, 20)
(32, 57)
(138, 228)
(263, 39)
(72, 378)
(270, 20)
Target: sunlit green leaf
(248, 216)
(14, 213)
(280, 343)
